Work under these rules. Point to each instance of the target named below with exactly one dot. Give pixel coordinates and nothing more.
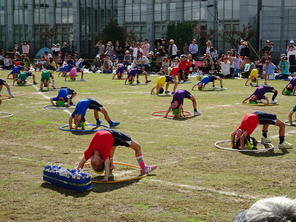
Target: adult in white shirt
(137, 50)
(225, 65)
(25, 48)
(172, 50)
(146, 47)
(291, 54)
(209, 46)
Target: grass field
(194, 181)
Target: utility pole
(258, 37)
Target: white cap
(292, 42)
(172, 40)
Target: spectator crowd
(164, 58)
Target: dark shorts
(266, 118)
(188, 95)
(2, 82)
(169, 79)
(212, 78)
(71, 91)
(133, 73)
(29, 74)
(269, 89)
(121, 139)
(95, 105)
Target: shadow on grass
(266, 154)
(83, 133)
(97, 187)
(184, 118)
(64, 191)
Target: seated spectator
(107, 65)
(225, 65)
(284, 67)
(39, 65)
(7, 62)
(247, 67)
(96, 64)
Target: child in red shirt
(249, 123)
(102, 147)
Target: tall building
(80, 22)
(43, 22)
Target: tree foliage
(181, 32)
(113, 32)
(233, 37)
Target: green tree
(181, 32)
(233, 37)
(113, 32)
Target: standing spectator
(118, 51)
(55, 49)
(100, 47)
(291, 54)
(16, 48)
(291, 43)
(65, 50)
(209, 46)
(126, 46)
(193, 49)
(136, 50)
(109, 50)
(25, 48)
(146, 47)
(172, 50)
(185, 49)
(245, 51)
(268, 47)
(241, 46)
(142, 63)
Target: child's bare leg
(105, 113)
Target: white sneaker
(285, 145)
(265, 140)
(197, 113)
(273, 102)
(259, 101)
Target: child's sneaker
(196, 113)
(167, 92)
(148, 169)
(265, 140)
(113, 124)
(99, 122)
(138, 82)
(273, 102)
(147, 81)
(35, 83)
(285, 145)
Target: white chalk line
(199, 188)
(47, 97)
